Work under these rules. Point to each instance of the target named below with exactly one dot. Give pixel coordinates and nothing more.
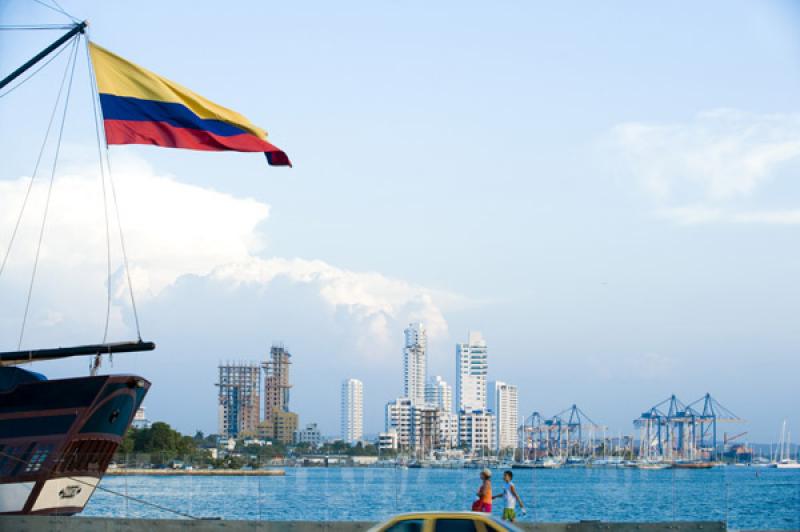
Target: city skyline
(627, 221)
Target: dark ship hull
(58, 437)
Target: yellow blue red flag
(140, 107)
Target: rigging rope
(57, 9)
(97, 127)
(36, 167)
(49, 192)
(126, 264)
(29, 76)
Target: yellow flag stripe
(120, 77)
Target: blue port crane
(676, 430)
(559, 435)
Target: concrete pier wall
(98, 524)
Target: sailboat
(784, 459)
(57, 437)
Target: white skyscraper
(439, 394)
(352, 410)
(414, 363)
(471, 369)
(503, 401)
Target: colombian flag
(140, 107)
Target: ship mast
(80, 27)
(97, 350)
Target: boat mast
(80, 27)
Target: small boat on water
(692, 464)
(651, 464)
(552, 463)
(785, 460)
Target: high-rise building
(439, 394)
(448, 430)
(503, 401)
(276, 380)
(426, 430)
(471, 369)
(352, 410)
(279, 422)
(476, 430)
(400, 415)
(239, 400)
(415, 363)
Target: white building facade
(439, 394)
(476, 430)
(448, 430)
(352, 417)
(401, 416)
(504, 403)
(472, 363)
(415, 362)
(310, 435)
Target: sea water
(745, 497)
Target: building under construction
(675, 431)
(279, 422)
(239, 399)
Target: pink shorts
(480, 506)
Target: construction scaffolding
(238, 399)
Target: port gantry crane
(561, 435)
(673, 430)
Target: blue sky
(607, 191)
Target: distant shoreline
(198, 472)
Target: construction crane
(728, 439)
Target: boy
(510, 498)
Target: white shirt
(509, 501)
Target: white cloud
(701, 170)
(368, 297)
(719, 155)
(175, 230)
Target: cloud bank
(705, 169)
(206, 288)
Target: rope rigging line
(113, 492)
(49, 192)
(57, 8)
(29, 76)
(97, 126)
(35, 168)
(125, 262)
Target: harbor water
(747, 498)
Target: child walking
(510, 498)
